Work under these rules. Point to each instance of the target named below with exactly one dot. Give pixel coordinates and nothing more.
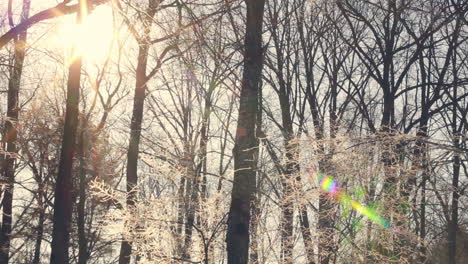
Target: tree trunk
(10, 137)
(137, 120)
(307, 235)
(40, 231)
(63, 201)
(456, 163)
(254, 229)
(453, 224)
(38, 175)
(326, 229)
(287, 221)
(256, 210)
(191, 199)
(198, 190)
(133, 147)
(237, 238)
(288, 177)
(82, 243)
(180, 215)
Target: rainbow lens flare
(331, 187)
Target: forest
(233, 131)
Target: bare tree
(63, 198)
(243, 189)
(142, 77)
(10, 132)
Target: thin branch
(57, 11)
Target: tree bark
(82, 243)
(10, 138)
(237, 238)
(306, 235)
(63, 200)
(133, 147)
(288, 177)
(40, 227)
(136, 122)
(197, 176)
(456, 163)
(255, 204)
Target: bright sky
(92, 39)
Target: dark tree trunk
(285, 91)
(40, 196)
(133, 147)
(423, 164)
(198, 189)
(326, 225)
(193, 184)
(82, 243)
(288, 177)
(287, 217)
(453, 224)
(256, 209)
(63, 200)
(10, 137)
(137, 119)
(180, 215)
(237, 238)
(308, 54)
(456, 163)
(307, 235)
(254, 228)
(40, 228)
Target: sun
(92, 40)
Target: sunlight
(92, 39)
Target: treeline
(208, 129)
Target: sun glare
(92, 39)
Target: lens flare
(91, 39)
(331, 187)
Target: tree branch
(57, 11)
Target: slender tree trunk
(420, 162)
(137, 119)
(324, 219)
(133, 148)
(288, 178)
(256, 211)
(287, 221)
(254, 229)
(10, 137)
(326, 224)
(456, 163)
(307, 235)
(191, 200)
(180, 215)
(453, 224)
(318, 127)
(38, 175)
(193, 181)
(424, 164)
(82, 243)
(237, 237)
(199, 184)
(327, 245)
(422, 217)
(388, 144)
(40, 227)
(63, 200)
